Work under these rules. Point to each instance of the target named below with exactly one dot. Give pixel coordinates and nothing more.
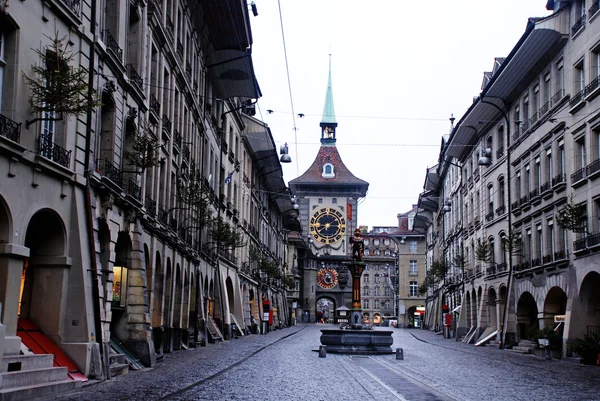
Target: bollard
(399, 354)
(322, 351)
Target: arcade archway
(527, 321)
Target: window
(535, 103)
(560, 77)
(578, 82)
(561, 157)
(595, 64)
(413, 268)
(595, 142)
(517, 118)
(386, 242)
(500, 141)
(387, 291)
(2, 64)
(550, 238)
(596, 221)
(413, 288)
(366, 290)
(119, 286)
(366, 278)
(580, 153)
(377, 279)
(490, 198)
(528, 246)
(334, 201)
(412, 247)
(377, 252)
(328, 171)
(367, 252)
(538, 174)
(376, 241)
(546, 94)
(549, 168)
(365, 304)
(527, 181)
(501, 191)
(387, 304)
(525, 112)
(320, 200)
(377, 291)
(376, 306)
(540, 243)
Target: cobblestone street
(282, 366)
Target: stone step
(30, 377)
(117, 359)
(118, 369)
(38, 390)
(521, 350)
(26, 362)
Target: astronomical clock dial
(327, 278)
(327, 225)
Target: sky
(400, 68)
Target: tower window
(328, 171)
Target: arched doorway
(555, 304)
(44, 279)
(118, 322)
(588, 313)
(492, 311)
(168, 308)
(157, 304)
(177, 306)
(469, 309)
(5, 223)
(325, 310)
(230, 295)
(527, 322)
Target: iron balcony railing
(150, 205)
(534, 193)
(545, 108)
(578, 25)
(593, 85)
(545, 187)
(166, 123)
(177, 139)
(113, 45)
(154, 104)
(593, 167)
(489, 216)
(576, 99)
(10, 129)
(501, 267)
(533, 119)
(580, 244)
(578, 175)
(548, 259)
(110, 171)
(163, 216)
(557, 96)
(559, 179)
(560, 255)
(500, 210)
(593, 239)
(132, 188)
(180, 50)
(594, 8)
(499, 153)
(52, 151)
(135, 77)
(73, 5)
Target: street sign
(559, 318)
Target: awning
(457, 309)
(542, 39)
(233, 74)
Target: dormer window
(328, 171)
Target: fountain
(356, 337)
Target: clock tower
(328, 195)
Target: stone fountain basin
(348, 341)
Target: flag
(228, 179)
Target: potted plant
(587, 347)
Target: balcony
(107, 169)
(536, 262)
(524, 201)
(150, 206)
(591, 88)
(515, 206)
(593, 240)
(547, 259)
(113, 45)
(470, 182)
(135, 77)
(577, 177)
(500, 210)
(163, 216)
(52, 151)
(545, 188)
(489, 217)
(559, 182)
(576, 100)
(557, 97)
(10, 129)
(560, 255)
(188, 70)
(525, 126)
(580, 245)
(578, 26)
(499, 153)
(594, 9)
(534, 118)
(231, 156)
(186, 153)
(132, 188)
(180, 50)
(501, 268)
(476, 175)
(534, 196)
(545, 108)
(490, 271)
(170, 26)
(154, 7)
(73, 5)
(166, 123)
(154, 105)
(177, 139)
(593, 169)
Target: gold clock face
(327, 278)
(327, 225)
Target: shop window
(119, 286)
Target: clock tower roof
(328, 118)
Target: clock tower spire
(328, 122)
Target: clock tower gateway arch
(328, 195)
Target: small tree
(572, 216)
(225, 236)
(57, 88)
(483, 252)
(144, 151)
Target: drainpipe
(104, 348)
